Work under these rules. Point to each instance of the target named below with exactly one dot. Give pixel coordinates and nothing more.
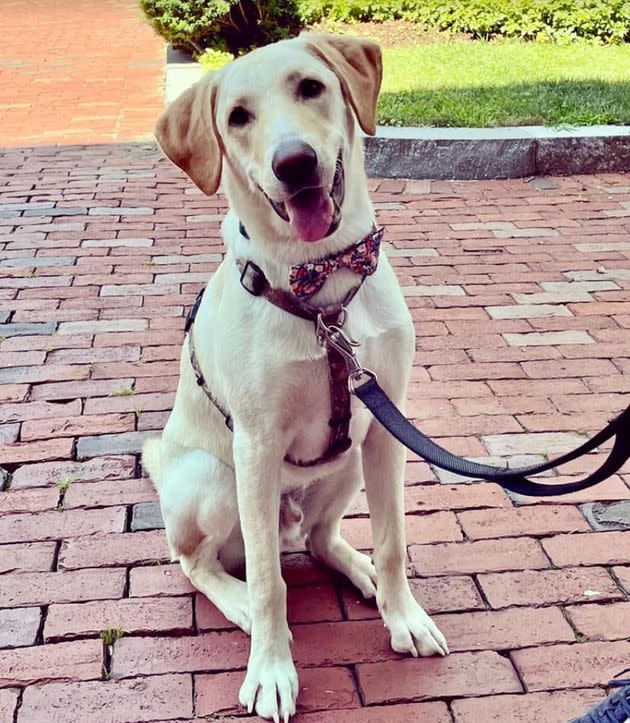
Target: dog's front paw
(271, 687)
(412, 631)
(362, 574)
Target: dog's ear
(187, 133)
(357, 63)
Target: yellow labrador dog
(279, 128)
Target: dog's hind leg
(199, 507)
(207, 574)
(324, 509)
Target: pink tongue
(310, 213)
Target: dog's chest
(310, 412)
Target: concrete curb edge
(487, 153)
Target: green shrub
(604, 20)
(234, 26)
(352, 11)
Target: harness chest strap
(255, 282)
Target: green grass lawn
(481, 84)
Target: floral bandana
(308, 278)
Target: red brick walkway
(521, 296)
(77, 71)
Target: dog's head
(280, 124)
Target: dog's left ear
(358, 65)
(186, 132)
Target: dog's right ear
(358, 65)
(187, 133)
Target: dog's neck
(271, 244)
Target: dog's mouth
(314, 212)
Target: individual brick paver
(19, 627)
(571, 666)
(140, 699)
(596, 623)
(556, 707)
(90, 72)
(78, 660)
(459, 674)
(141, 615)
(322, 689)
(513, 358)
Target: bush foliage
(234, 26)
(239, 25)
(604, 20)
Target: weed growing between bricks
(109, 637)
(64, 486)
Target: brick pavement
(520, 293)
(77, 71)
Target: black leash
(515, 480)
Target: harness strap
(194, 361)
(515, 480)
(340, 415)
(255, 282)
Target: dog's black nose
(294, 163)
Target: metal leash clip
(334, 336)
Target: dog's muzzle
(337, 194)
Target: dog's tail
(152, 459)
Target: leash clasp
(357, 378)
(333, 335)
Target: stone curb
(486, 153)
(469, 153)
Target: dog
(279, 128)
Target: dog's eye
(310, 88)
(239, 116)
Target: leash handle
(515, 480)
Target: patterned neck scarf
(308, 278)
